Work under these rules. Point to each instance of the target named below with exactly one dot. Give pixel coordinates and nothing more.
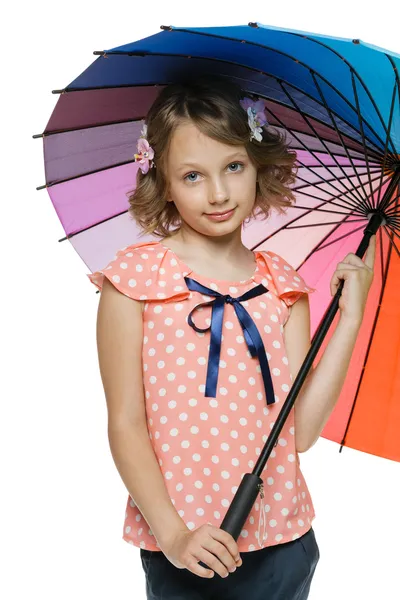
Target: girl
(199, 339)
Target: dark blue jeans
(281, 572)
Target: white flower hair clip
(145, 152)
(256, 116)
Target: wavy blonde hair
(213, 105)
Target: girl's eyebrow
(227, 160)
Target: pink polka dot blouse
(205, 444)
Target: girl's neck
(218, 249)
(208, 261)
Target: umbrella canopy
(337, 100)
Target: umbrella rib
(317, 135)
(71, 235)
(324, 223)
(317, 209)
(91, 126)
(340, 238)
(86, 174)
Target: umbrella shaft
(316, 343)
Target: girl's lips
(223, 217)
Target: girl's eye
(238, 165)
(189, 178)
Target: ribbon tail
(256, 347)
(266, 373)
(217, 316)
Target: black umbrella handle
(240, 507)
(241, 504)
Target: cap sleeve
(288, 284)
(143, 272)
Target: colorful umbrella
(338, 101)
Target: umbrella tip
(255, 25)
(356, 41)
(166, 27)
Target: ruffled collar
(257, 277)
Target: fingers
(227, 540)
(194, 567)
(369, 259)
(217, 563)
(371, 251)
(217, 549)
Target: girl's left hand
(358, 276)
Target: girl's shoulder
(280, 277)
(143, 271)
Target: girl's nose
(219, 192)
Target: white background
(63, 502)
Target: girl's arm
(119, 343)
(323, 384)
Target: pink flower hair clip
(145, 152)
(256, 116)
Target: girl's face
(206, 176)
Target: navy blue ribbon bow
(250, 331)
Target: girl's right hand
(211, 545)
